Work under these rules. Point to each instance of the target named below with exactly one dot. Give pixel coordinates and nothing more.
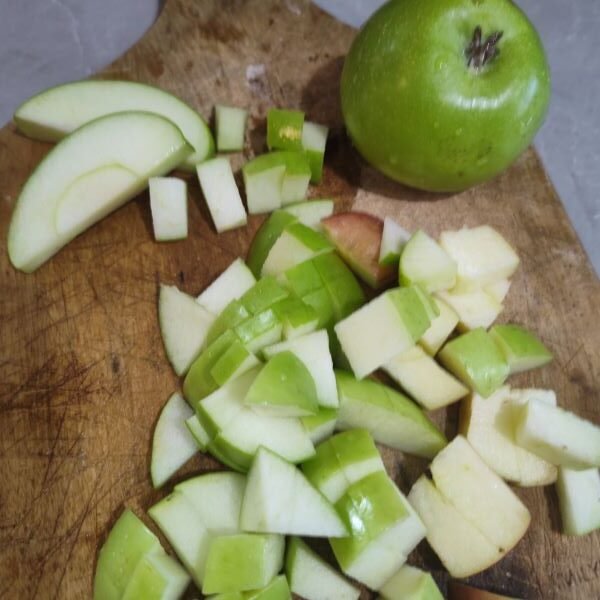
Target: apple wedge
(579, 500)
(156, 577)
(393, 240)
(85, 177)
(314, 140)
(410, 583)
(298, 318)
(168, 204)
(522, 350)
(230, 125)
(58, 111)
(440, 329)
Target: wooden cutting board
(83, 374)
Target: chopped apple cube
(579, 499)
(475, 308)
(522, 350)
(393, 240)
(230, 123)
(440, 329)
(498, 290)
(156, 577)
(314, 139)
(168, 203)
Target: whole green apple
(445, 94)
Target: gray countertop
(45, 42)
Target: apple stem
(480, 51)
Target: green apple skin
(410, 583)
(157, 577)
(522, 350)
(278, 589)
(440, 124)
(263, 294)
(284, 129)
(233, 314)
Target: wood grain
(83, 373)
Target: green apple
(322, 425)
(296, 179)
(475, 308)
(579, 500)
(393, 240)
(86, 176)
(522, 350)
(304, 278)
(383, 526)
(424, 261)
(391, 418)
(476, 360)
(410, 583)
(424, 380)
(235, 313)
(58, 111)
(313, 578)
(298, 318)
(184, 326)
(197, 432)
(263, 182)
(440, 329)
(168, 204)
(230, 125)
(279, 499)
(260, 330)
(232, 283)
(245, 561)
(157, 577)
(126, 545)
(172, 444)
(311, 212)
(284, 387)
(498, 290)
(235, 361)
(558, 436)
(314, 139)
(460, 89)
(221, 194)
(264, 294)
(278, 589)
(284, 129)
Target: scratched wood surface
(83, 374)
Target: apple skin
(418, 113)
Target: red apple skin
(461, 591)
(357, 238)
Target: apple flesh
(156, 577)
(393, 240)
(579, 500)
(475, 308)
(230, 125)
(311, 212)
(298, 319)
(284, 129)
(410, 583)
(168, 204)
(314, 140)
(322, 425)
(440, 329)
(197, 432)
(522, 350)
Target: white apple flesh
(168, 204)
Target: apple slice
(168, 203)
(522, 350)
(184, 326)
(263, 182)
(235, 361)
(393, 240)
(392, 418)
(156, 577)
(58, 111)
(230, 125)
(279, 499)
(475, 308)
(197, 432)
(264, 294)
(579, 500)
(230, 285)
(313, 578)
(460, 591)
(284, 129)
(278, 589)
(85, 177)
(298, 319)
(410, 583)
(424, 261)
(296, 178)
(322, 425)
(312, 212)
(440, 329)
(357, 238)
(172, 444)
(314, 140)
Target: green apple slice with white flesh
(278, 589)
(579, 500)
(127, 543)
(498, 290)
(488, 425)
(92, 172)
(391, 418)
(342, 460)
(284, 129)
(197, 432)
(463, 478)
(235, 361)
(296, 244)
(230, 125)
(393, 240)
(157, 577)
(279, 499)
(382, 329)
(481, 253)
(230, 285)
(476, 360)
(322, 425)
(558, 436)
(462, 548)
(314, 140)
(260, 330)
(424, 380)
(384, 529)
(475, 308)
(410, 583)
(233, 314)
(184, 326)
(313, 351)
(296, 178)
(424, 261)
(263, 182)
(522, 350)
(172, 444)
(311, 212)
(168, 204)
(58, 111)
(264, 294)
(313, 578)
(440, 329)
(221, 194)
(298, 318)
(246, 561)
(284, 387)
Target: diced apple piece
(278, 589)
(311, 213)
(313, 578)
(284, 129)
(579, 500)
(423, 379)
(260, 330)
(298, 318)
(522, 350)
(157, 577)
(357, 238)
(265, 293)
(197, 432)
(410, 583)
(392, 418)
(85, 177)
(314, 140)
(230, 123)
(558, 436)
(279, 499)
(322, 425)
(498, 290)
(235, 313)
(296, 178)
(481, 253)
(172, 445)
(230, 285)
(476, 360)
(393, 240)
(221, 194)
(440, 329)
(168, 203)
(58, 111)
(474, 308)
(235, 361)
(461, 591)
(263, 182)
